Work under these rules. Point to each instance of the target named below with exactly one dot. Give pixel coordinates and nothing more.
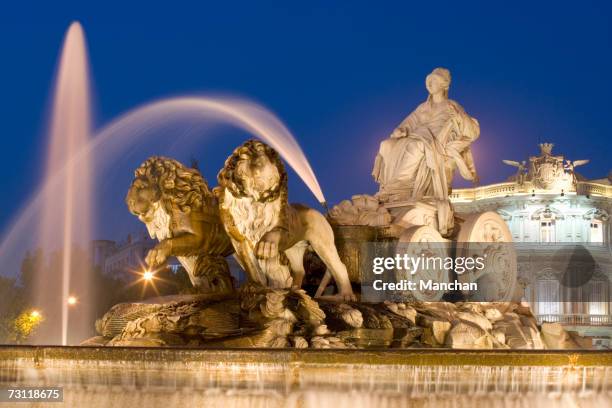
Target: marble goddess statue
(419, 158)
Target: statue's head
(546, 148)
(141, 196)
(254, 170)
(438, 81)
(168, 181)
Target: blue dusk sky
(341, 75)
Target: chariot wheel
(426, 242)
(486, 235)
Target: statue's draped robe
(421, 154)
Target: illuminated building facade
(561, 225)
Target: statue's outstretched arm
(469, 161)
(411, 122)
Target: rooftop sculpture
(547, 171)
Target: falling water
(239, 112)
(229, 378)
(66, 209)
(129, 131)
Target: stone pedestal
(290, 318)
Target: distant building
(128, 255)
(117, 259)
(561, 225)
(101, 250)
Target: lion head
(160, 179)
(254, 170)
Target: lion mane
(180, 187)
(189, 221)
(229, 179)
(253, 202)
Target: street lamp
(147, 276)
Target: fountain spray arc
(62, 208)
(65, 219)
(133, 128)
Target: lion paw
(267, 247)
(265, 250)
(158, 255)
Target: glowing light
(147, 276)
(35, 314)
(72, 300)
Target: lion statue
(269, 235)
(181, 212)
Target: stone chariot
(482, 233)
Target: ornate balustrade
(585, 188)
(576, 319)
(593, 189)
(479, 193)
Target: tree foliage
(24, 325)
(17, 297)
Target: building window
(547, 297)
(596, 231)
(598, 297)
(547, 231)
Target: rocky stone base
(181, 320)
(290, 318)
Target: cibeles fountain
(418, 302)
(410, 218)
